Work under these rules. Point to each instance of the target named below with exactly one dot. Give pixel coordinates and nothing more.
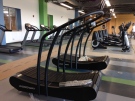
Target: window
(12, 17)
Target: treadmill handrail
(43, 27)
(89, 30)
(100, 14)
(4, 28)
(28, 27)
(35, 28)
(99, 22)
(71, 37)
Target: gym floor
(118, 80)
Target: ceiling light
(81, 12)
(66, 5)
(107, 3)
(5, 11)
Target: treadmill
(71, 61)
(44, 28)
(6, 48)
(32, 42)
(47, 82)
(53, 35)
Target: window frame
(18, 23)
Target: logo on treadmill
(26, 87)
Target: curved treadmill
(5, 48)
(56, 84)
(99, 63)
(32, 42)
(27, 81)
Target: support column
(50, 21)
(76, 15)
(2, 22)
(43, 12)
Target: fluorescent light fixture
(81, 12)
(107, 3)
(5, 11)
(66, 5)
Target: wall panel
(119, 20)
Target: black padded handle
(28, 27)
(35, 28)
(4, 28)
(8, 30)
(44, 28)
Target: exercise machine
(121, 40)
(71, 61)
(97, 41)
(32, 42)
(43, 81)
(6, 48)
(51, 37)
(126, 45)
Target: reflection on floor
(118, 81)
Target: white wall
(28, 9)
(60, 14)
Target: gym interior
(67, 50)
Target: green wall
(43, 14)
(50, 21)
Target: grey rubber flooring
(121, 69)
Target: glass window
(12, 17)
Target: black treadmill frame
(6, 48)
(87, 29)
(100, 14)
(83, 96)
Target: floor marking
(118, 80)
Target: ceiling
(119, 6)
(123, 6)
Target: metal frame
(100, 14)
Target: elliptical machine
(97, 41)
(126, 45)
